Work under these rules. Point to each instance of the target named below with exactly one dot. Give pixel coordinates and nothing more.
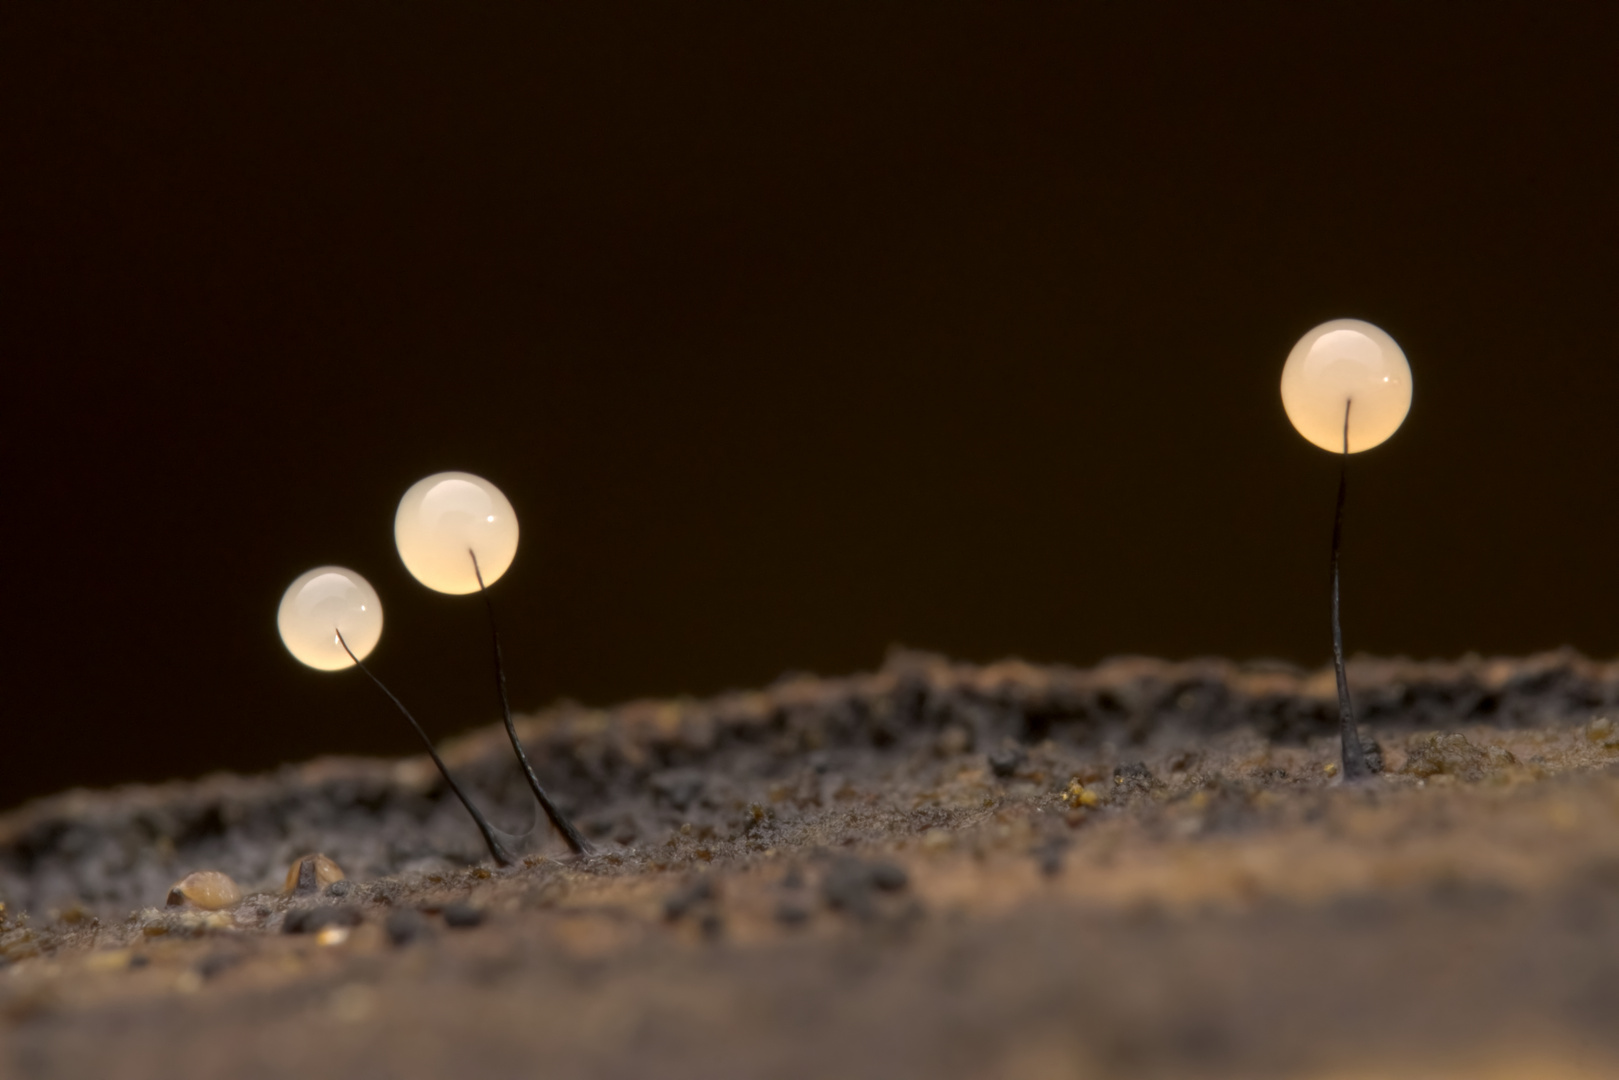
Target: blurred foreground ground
(1144, 869)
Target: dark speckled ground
(1143, 869)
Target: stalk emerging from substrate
(1334, 367)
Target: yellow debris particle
(108, 960)
(1080, 795)
(332, 935)
(1330, 768)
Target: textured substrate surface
(1143, 869)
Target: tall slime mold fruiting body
(330, 618)
(1346, 387)
(457, 534)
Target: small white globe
(322, 602)
(445, 518)
(1340, 362)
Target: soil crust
(1140, 869)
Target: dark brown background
(791, 332)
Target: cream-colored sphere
(443, 518)
(1340, 362)
(322, 602)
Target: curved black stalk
(1356, 767)
(576, 841)
(502, 855)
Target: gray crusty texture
(1142, 870)
(634, 774)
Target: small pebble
(1049, 859)
(310, 874)
(792, 913)
(889, 877)
(209, 890)
(404, 925)
(1374, 753)
(211, 966)
(463, 916)
(847, 887)
(682, 901)
(1006, 763)
(339, 888)
(850, 883)
(312, 920)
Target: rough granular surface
(1141, 869)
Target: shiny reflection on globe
(318, 605)
(1346, 363)
(444, 517)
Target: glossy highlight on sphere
(443, 518)
(320, 603)
(1342, 361)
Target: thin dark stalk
(502, 855)
(576, 841)
(1356, 767)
